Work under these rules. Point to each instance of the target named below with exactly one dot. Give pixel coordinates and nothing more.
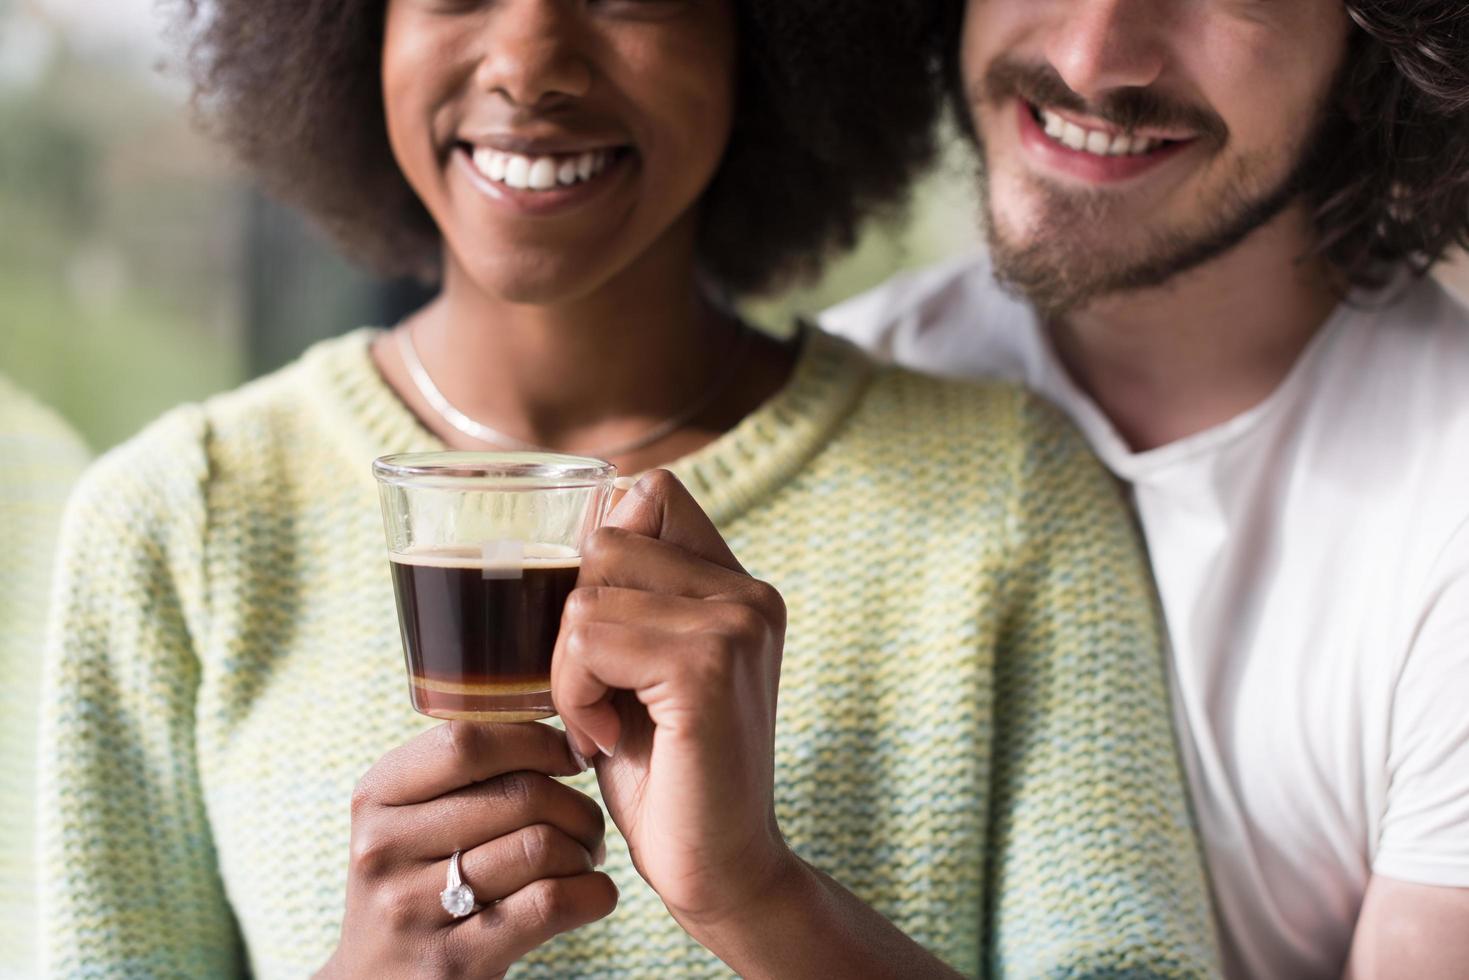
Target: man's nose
(1099, 46)
(534, 51)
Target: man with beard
(1212, 220)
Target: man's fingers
(658, 506)
(458, 754)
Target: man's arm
(1407, 930)
(1414, 920)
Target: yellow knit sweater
(973, 735)
(40, 458)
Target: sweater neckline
(749, 462)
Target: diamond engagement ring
(457, 898)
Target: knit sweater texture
(40, 459)
(973, 734)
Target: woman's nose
(534, 51)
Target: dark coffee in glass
(479, 636)
(483, 550)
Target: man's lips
(1160, 134)
(1094, 155)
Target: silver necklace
(476, 429)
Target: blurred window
(137, 268)
(118, 287)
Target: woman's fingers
(583, 693)
(658, 506)
(669, 613)
(488, 792)
(485, 811)
(663, 648)
(458, 754)
(625, 559)
(498, 868)
(521, 921)
(493, 870)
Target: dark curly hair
(835, 110)
(1393, 185)
(1388, 183)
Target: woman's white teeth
(517, 170)
(542, 174)
(539, 173)
(1094, 141)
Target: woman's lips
(543, 171)
(544, 183)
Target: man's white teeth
(539, 173)
(1095, 141)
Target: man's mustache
(1127, 109)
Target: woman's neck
(591, 372)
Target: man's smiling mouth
(1096, 141)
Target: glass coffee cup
(484, 548)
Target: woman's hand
(669, 662)
(528, 847)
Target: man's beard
(1059, 271)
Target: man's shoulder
(1416, 315)
(1405, 354)
(1384, 409)
(952, 319)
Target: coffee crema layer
(490, 687)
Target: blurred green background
(138, 271)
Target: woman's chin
(531, 283)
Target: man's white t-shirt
(1313, 559)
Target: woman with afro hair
(970, 765)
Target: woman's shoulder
(958, 416)
(323, 387)
(169, 468)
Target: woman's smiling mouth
(541, 182)
(541, 172)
